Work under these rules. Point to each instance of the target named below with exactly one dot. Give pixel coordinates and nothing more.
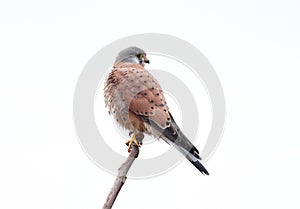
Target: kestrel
(136, 100)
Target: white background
(254, 47)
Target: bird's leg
(132, 140)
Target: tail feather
(183, 145)
(200, 167)
(192, 158)
(173, 135)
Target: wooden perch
(121, 177)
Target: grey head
(132, 55)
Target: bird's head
(133, 55)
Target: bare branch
(121, 177)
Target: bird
(136, 101)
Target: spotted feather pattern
(131, 91)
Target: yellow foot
(132, 140)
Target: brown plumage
(131, 91)
(136, 100)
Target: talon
(134, 141)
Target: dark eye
(140, 56)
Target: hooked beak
(146, 60)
